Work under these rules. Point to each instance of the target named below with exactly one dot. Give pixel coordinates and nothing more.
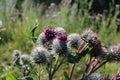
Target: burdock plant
(55, 48)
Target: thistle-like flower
(46, 37)
(74, 40)
(24, 59)
(59, 44)
(49, 33)
(59, 30)
(40, 55)
(90, 37)
(114, 52)
(16, 53)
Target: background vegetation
(17, 33)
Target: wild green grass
(17, 34)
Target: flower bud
(24, 59)
(40, 55)
(16, 53)
(59, 44)
(74, 40)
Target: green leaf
(66, 75)
(33, 32)
(10, 76)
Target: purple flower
(62, 37)
(49, 33)
(59, 44)
(97, 48)
(117, 77)
(46, 37)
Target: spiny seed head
(16, 53)
(42, 39)
(74, 40)
(24, 59)
(90, 36)
(40, 55)
(59, 30)
(59, 46)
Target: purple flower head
(117, 77)
(49, 33)
(60, 44)
(90, 36)
(62, 37)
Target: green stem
(73, 67)
(39, 72)
(50, 70)
(56, 67)
(99, 66)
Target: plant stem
(39, 72)
(99, 66)
(50, 70)
(73, 66)
(56, 67)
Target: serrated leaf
(66, 75)
(10, 76)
